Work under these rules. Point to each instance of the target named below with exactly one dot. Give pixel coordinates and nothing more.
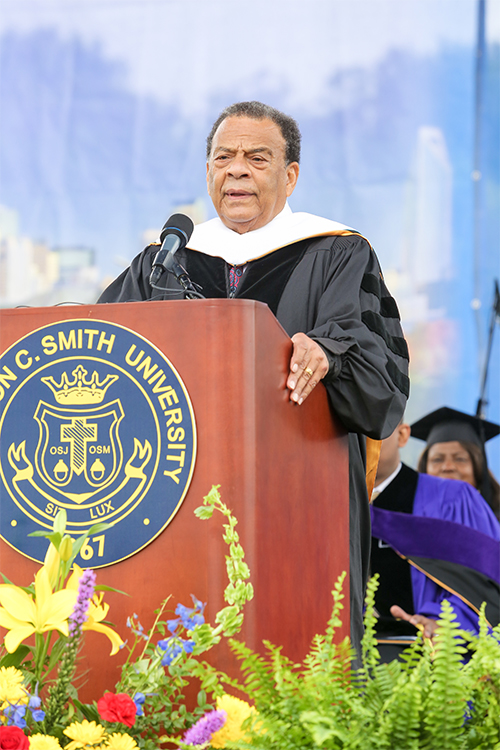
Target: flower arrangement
(39, 706)
(431, 699)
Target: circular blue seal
(93, 419)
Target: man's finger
(308, 365)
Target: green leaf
(88, 711)
(15, 659)
(104, 587)
(54, 536)
(204, 513)
(96, 528)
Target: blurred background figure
(455, 450)
(432, 539)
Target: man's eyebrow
(257, 150)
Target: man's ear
(292, 174)
(404, 432)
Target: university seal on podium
(93, 419)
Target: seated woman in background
(455, 450)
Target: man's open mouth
(235, 194)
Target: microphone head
(178, 224)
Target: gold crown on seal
(80, 390)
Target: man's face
(247, 178)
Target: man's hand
(425, 624)
(308, 365)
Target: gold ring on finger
(309, 372)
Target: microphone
(174, 236)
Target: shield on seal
(79, 451)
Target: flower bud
(66, 548)
(51, 563)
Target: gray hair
(258, 111)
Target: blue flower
(139, 699)
(172, 649)
(188, 647)
(198, 605)
(191, 616)
(34, 702)
(34, 705)
(136, 627)
(172, 625)
(15, 715)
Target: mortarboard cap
(445, 424)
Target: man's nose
(238, 167)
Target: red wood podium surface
(282, 469)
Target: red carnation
(13, 738)
(119, 707)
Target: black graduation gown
(330, 288)
(395, 580)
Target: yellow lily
(96, 613)
(22, 614)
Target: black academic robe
(330, 288)
(394, 572)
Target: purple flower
(201, 732)
(86, 587)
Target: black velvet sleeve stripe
(396, 344)
(372, 285)
(389, 308)
(400, 380)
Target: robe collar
(215, 239)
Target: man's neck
(380, 487)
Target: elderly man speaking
(321, 280)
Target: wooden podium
(282, 469)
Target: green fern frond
(370, 656)
(412, 655)
(400, 725)
(483, 671)
(335, 620)
(384, 679)
(257, 674)
(447, 698)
